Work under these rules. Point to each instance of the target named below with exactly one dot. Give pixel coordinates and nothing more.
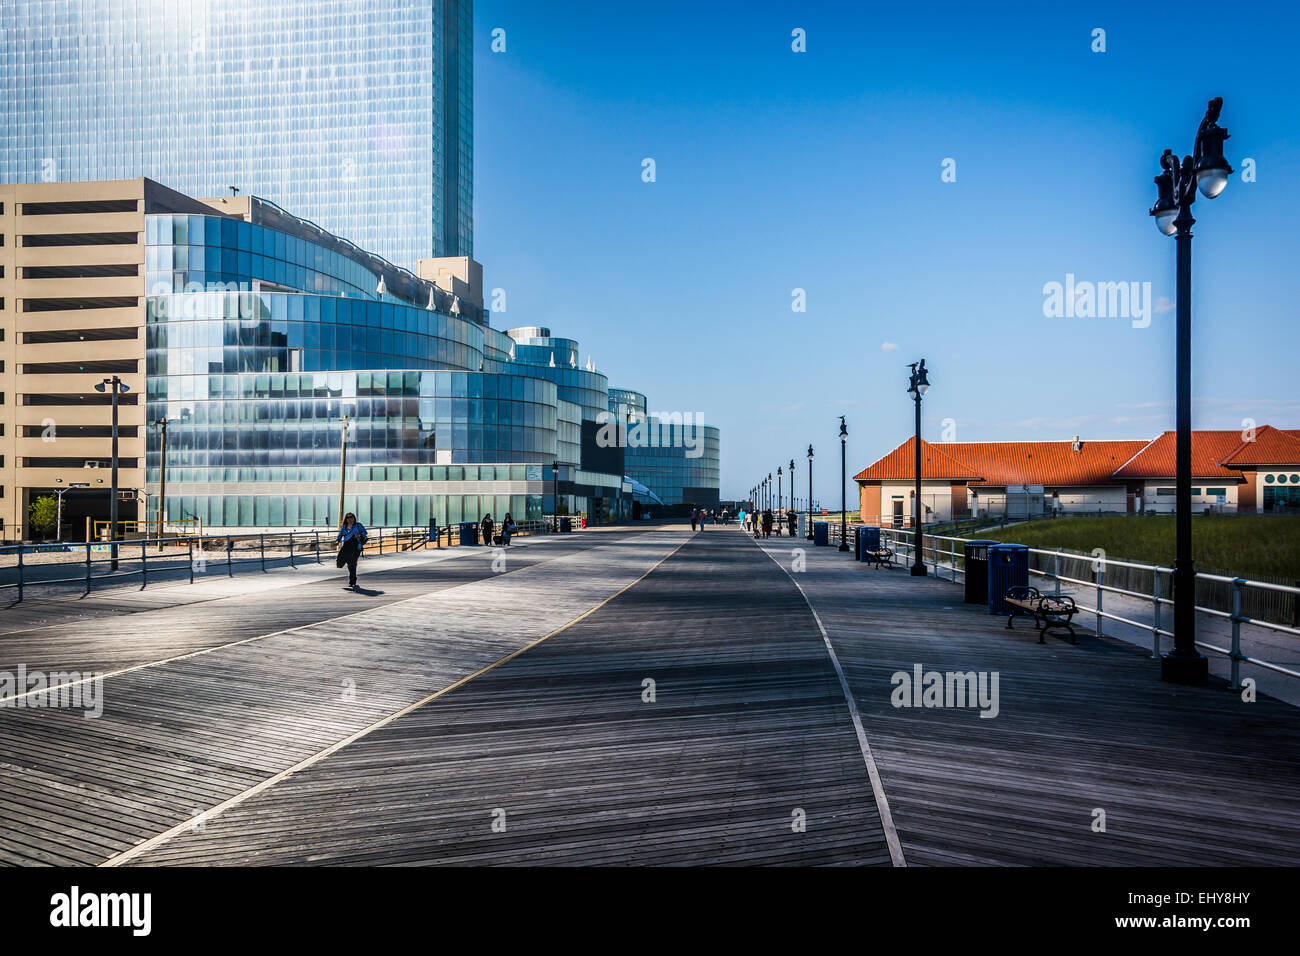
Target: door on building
(898, 512)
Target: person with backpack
(351, 538)
(507, 529)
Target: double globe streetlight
(917, 386)
(1205, 169)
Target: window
(78, 272)
(1166, 492)
(76, 208)
(103, 366)
(1214, 492)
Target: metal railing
(179, 558)
(944, 553)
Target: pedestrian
(507, 529)
(695, 516)
(351, 538)
(767, 523)
(793, 517)
(487, 529)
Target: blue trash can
(821, 533)
(468, 533)
(433, 532)
(868, 540)
(566, 524)
(1008, 568)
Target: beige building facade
(72, 313)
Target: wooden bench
(1048, 611)
(880, 557)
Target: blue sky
(821, 170)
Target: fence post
(87, 564)
(191, 553)
(230, 543)
(318, 547)
(261, 545)
(144, 564)
(291, 564)
(1155, 616)
(20, 571)
(1237, 585)
(1101, 573)
(381, 540)
(1056, 571)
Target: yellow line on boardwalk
(126, 856)
(4, 701)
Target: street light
(147, 494)
(917, 386)
(555, 496)
(778, 487)
(844, 499)
(1176, 187)
(116, 385)
(161, 425)
(810, 501)
(792, 500)
(346, 423)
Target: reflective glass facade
(355, 114)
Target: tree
(43, 515)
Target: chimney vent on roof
(1076, 444)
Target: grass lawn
(1244, 545)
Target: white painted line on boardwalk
(882, 802)
(288, 630)
(126, 856)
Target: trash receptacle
(433, 533)
(976, 556)
(1008, 568)
(468, 533)
(868, 540)
(566, 524)
(821, 533)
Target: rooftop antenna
(234, 190)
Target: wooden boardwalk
(1185, 776)
(462, 716)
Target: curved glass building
(265, 336)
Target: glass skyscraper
(355, 114)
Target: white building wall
(1152, 500)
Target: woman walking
(351, 538)
(507, 529)
(487, 529)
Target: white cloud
(888, 346)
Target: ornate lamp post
(778, 487)
(1176, 187)
(810, 501)
(793, 520)
(116, 386)
(844, 500)
(918, 385)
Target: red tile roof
(1209, 448)
(1271, 446)
(935, 463)
(1215, 454)
(1008, 463)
